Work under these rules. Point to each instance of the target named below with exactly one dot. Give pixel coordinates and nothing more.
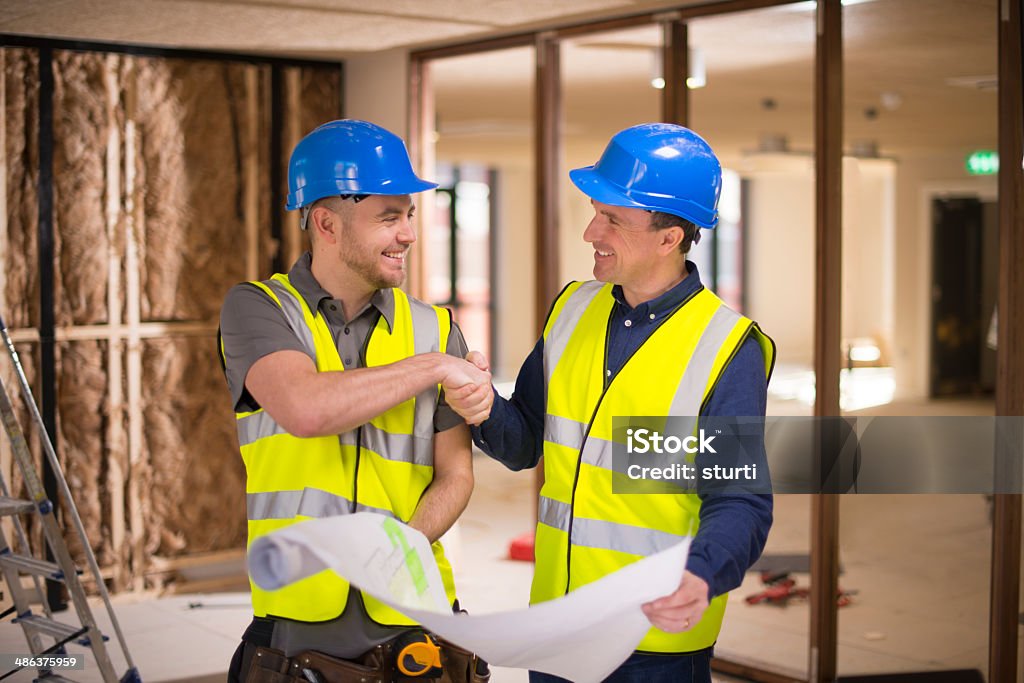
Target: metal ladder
(13, 565)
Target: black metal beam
(47, 317)
(41, 42)
(277, 170)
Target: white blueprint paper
(583, 636)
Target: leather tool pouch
(271, 666)
(334, 670)
(462, 666)
(376, 666)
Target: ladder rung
(56, 629)
(14, 506)
(30, 565)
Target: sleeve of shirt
(513, 434)
(733, 527)
(444, 417)
(251, 326)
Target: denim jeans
(644, 668)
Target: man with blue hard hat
(338, 381)
(645, 338)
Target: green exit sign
(983, 162)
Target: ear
(669, 239)
(325, 223)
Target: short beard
(368, 270)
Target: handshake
(467, 385)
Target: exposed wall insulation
(161, 185)
(202, 493)
(190, 118)
(81, 388)
(80, 128)
(310, 101)
(19, 297)
(320, 102)
(21, 122)
(81, 125)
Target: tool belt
(379, 665)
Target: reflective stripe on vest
(289, 479)
(412, 448)
(308, 502)
(595, 533)
(585, 531)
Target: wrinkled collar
(302, 279)
(670, 299)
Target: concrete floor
(919, 564)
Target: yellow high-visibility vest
(383, 466)
(584, 531)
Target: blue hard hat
(350, 157)
(657, 167)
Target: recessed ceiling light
(811, 5)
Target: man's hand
(478, 359)
(467, 387)
(681, 610)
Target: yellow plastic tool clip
(418, 656)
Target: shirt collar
(668, 301)
(302, 279)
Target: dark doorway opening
(964, 277)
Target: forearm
(733, 531)
(514, 433)
(509, 436)
(447, 495)
(733, 527)
(308, 403)
(441, 504)
(342, 401)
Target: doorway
(461, 276)
(964, 281)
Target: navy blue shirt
(733, 528)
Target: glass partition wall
(607, 85)
(755, 107)
(483, 127)
(883, 104)
(920, 274)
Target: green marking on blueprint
(412, 560)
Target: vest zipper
(355, 477)
(579, 460)
(359, 429)
(607, 384)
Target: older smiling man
(645, 338)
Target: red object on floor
(521, 547)
(780, 589)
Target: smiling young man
(644, 338)
(337, 378)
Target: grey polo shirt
(253, 326)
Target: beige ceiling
(299, 28)
(912, 49)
